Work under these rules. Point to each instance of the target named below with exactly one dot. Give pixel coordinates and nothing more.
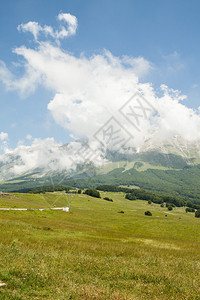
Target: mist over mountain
(50, 157)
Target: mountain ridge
(155, 167)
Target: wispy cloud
(3, 136)
(173, 63)
(37, 30)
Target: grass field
(96, 252)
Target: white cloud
(64, 32)
(45, 154)
(3, 136)
(140, 65)
(90, 90)
(173, 63)
(29, 137)
(3, 141)
(72, 25)
(25, 85)
(39, 155)
(6, 76)
(32, 27)
(194, 86)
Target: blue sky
(164, 33)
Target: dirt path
(22, 209)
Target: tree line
(139, 194)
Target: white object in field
(65, 208)
(2, 284)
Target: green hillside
(99, 250)
(153, 171)
(182, 183)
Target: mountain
(163, 167)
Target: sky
(66, 67)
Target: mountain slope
(183, 183)
(156, 167)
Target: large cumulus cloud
(89, 91)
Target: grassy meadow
(98, 250)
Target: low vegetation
(148, 213)
(92, 193)
(197, 214)
(188, 209)
(49, 189)
(95, 252)
(108, 199)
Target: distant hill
(166, 168)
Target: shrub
(149, 202)
(79, 191)
(148, 213)
(93, 193)
(197, 213)
(162, 205)
(189, 209)
(170, 207)
(108, 199)
(130, 196)
(121, 212)
(170, 204)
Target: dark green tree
(93, 193)
(148, 213)
(197, 213)
(189, 209)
